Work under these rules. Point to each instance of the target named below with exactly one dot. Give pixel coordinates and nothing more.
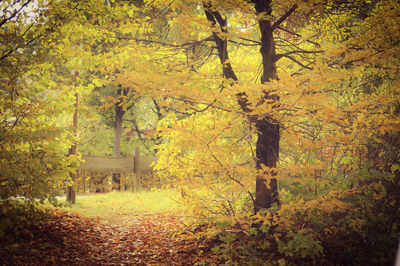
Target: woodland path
(70, 239)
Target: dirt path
(69, 239)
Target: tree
(33, 145)
(267, 146)
(327, 113)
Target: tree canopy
(278, 117)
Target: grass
(123, 207)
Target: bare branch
(298, 35)
(15, 13)
(244, 44)
(279, 56)
(284, 17)
(120, 37)
(297, 62)
(249, 40)
(16, 47)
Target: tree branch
(221, 43)
(279, 56)
(298, 35)
(245, 44)
(18, 46)
(14, 14)
(249, 40)
(297, 62)
(284, 17)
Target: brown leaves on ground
(70, 239)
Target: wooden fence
(137, 165)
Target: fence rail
(136, 166)
(116, 164)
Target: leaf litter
(70, 239)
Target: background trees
(33, 145)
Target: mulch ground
(69, 239)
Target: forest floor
(70, 239)
(109, 229)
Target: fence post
(137, 168)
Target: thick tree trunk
(267, 147)
(267, 153)
(119, 115)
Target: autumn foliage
(277, 121)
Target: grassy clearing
(123, 207)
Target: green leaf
(253, 231)
(97, 83)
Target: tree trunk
(267, 147)
(267, 153)
(119, 114)
(71, 194)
